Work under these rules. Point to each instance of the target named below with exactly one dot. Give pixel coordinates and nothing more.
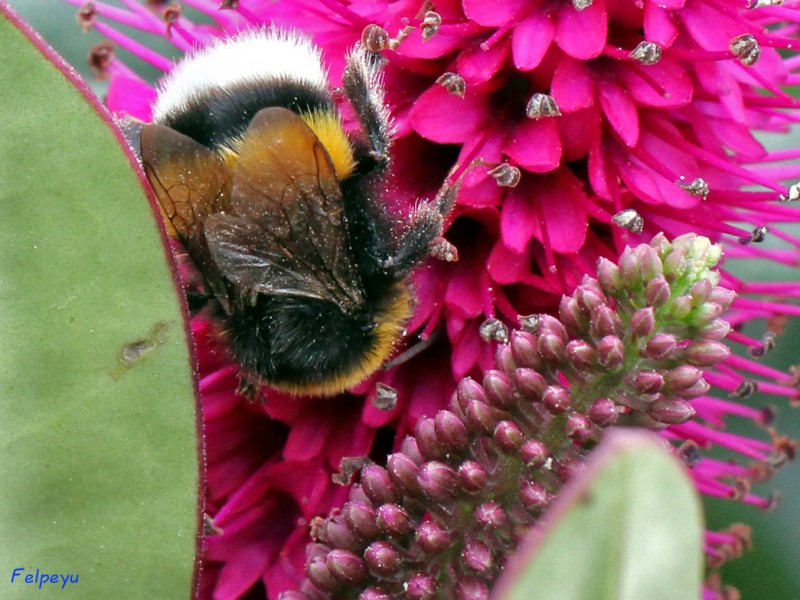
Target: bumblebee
(281, 209)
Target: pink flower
(599, 107)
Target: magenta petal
(620, 111)
(242, 570)
(463, 295)
(478, 188)
(441, 44)
(602, 180)
(494, 14)
(572, 86)
(535, 145)
(131, 96)
(477, 65)
(550, 208)
(467, 350)
(650, 186)
(665, 84)
(531, 40)
(518, 216)
(308, 436)
(508, 267)
(441, 117)
(659, 26)
(578, 132)
(562, 202)
(582, 34)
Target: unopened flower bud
(318, 573)
(643, 322)
(706, 313)
(657, 292)
(361, 518)
(706, 353)
(548, 324)
(573, 317)
(611, 352)
(469, 588)
(661, 345)
(469, 390)
(533, 496)
(438, 481)
(346, 566)
(421, 587)
(671, 411)
(605, 321)
(534, 454)
(472, 476)
(336, 532)
(651, 266)
(523, 348)
(508, 436)
(603, 412)
(377, 485)
(722, 296)
(589, 298)
(629, 269)
(681, 307)
(581, 355)
(477, 557)
(450, 429)
(504, 358)
(294, 595)
(491, 515)
(717, 330)
(432, 537)
(382, 558)
(499, 389)
(530, 382)
(700, 388)
(371, 593)
(552, 348)
(609, 276)
(393, 520)
(556, 399)
(410, 448)
(680, 378)
(646, 382)
(403, 472)
(482, 417)
(578, 427)
(428, 442)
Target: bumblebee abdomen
(308, 346)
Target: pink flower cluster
(595, 124)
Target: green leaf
(98, 455)
(628, 528)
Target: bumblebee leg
(363, 87)
(423, 237)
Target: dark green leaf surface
(98, 457)
(630, 528)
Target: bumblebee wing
(288, 236)
(191, 182)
